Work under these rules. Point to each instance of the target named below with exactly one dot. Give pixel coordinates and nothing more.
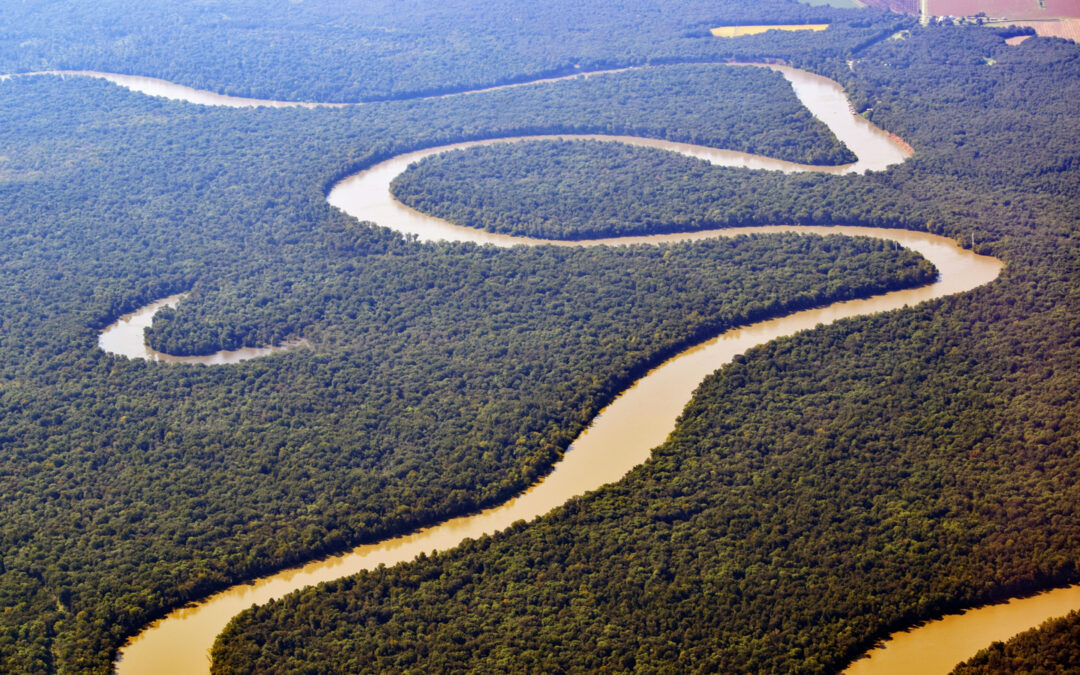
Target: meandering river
(125, 337)
(153, 86)
(622, 435)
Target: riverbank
(617, 426)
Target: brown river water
(125, 338)
(623, 434)
(152, 86)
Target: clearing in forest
(738, 31)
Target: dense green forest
(590, 189)
(333, 50)
(1053, 647)
(439, 377)
(823, 490)
(826, 488)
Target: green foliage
(825, 489)
(350, 50)
(1053, 647)
(440, 377)
(592, 189)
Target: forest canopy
(334, 50)
(857, 477)
(439, 377)
(1052, 647)
(825, 488)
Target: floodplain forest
(821, 491)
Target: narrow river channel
(623, 434)
(125, 337)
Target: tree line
(1052, 647)
(364, 50)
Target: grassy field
(737, 31)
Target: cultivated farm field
(1009, 9)
(1063, 28)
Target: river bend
(623, 434)
(126, 337)
(152, 86)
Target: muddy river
(623, 434)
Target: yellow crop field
(737, 31)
